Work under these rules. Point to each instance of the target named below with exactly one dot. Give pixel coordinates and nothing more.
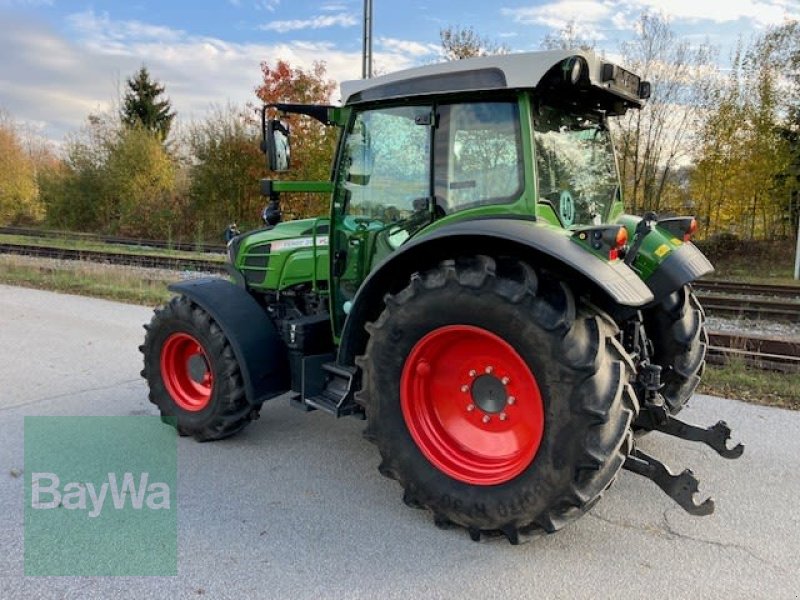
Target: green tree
(143, 104)
(114, 179)
(226, 164)
(139, 183)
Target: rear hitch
(681, 488)
(715, 437)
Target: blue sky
(62, 60)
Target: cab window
(478, 155)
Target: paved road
(294, 507)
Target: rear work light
(610, 240)
(681, 227)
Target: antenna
(366, 61)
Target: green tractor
(476, 294)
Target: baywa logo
(100, 496)
(86, 496)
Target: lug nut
(489, 369)
(486, 418)
(511, 400)
(505, 380)
(470, 407)
(503, 416)
(465, 388)
(472, 372)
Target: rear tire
(418, 413)
(192, 373)
(677, 330)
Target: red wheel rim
(186, 372)
(472, 405)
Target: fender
(514, 237)
(684, 265)
(256, 343)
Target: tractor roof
(497, 72)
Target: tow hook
(681, 488)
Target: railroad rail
(116, 258)
(749, 289)
(772, 354)
(107, 239)
(756, 308)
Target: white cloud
(268, 5)
(408, 47)
(584, 16)
(589, 17)
(559, 14)
(761, 12)
(48, 78)
(319, 22)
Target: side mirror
(275, 144)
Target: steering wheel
(360, 223)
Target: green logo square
(100, 496)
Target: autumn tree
(144, 104)
(744, 176)
(313, 143)
(655, 141)
(19, 197)
(463, 42)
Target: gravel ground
(748, 326)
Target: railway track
(759, 309)
(772, 354)
(116, 240)
(116, 258)
(749, 289)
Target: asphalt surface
(293, 507)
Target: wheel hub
(197, 368)
(489, 394)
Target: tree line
(724, 145)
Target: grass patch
(123, 284)
(738, 381)
(78, 244)
(753, 262)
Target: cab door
(383, 194)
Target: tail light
(680, 227)
(610, 240)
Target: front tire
(193, 375)
(453, 348)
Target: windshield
(575, 165)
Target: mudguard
(684, 265)
(256, 343)
(513, 237)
